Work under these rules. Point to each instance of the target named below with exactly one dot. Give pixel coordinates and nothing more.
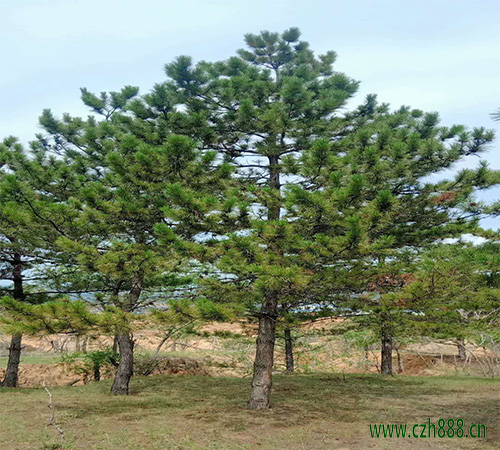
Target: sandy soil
(211, 354)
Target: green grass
(310, 412)
(32, 359)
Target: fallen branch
(52, 419)
(423, 359)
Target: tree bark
(115, 344)
(386, 354)
(97, 373)
(399, 359)
(289, 350)
(461, 348)
(12, 371)
(274, 207)
(125, 368)
(264, 355)
(266, 336)
(125, 341)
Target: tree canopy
(246, 187)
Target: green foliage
(242, 183)
(361, 339)
(452, 293)
(90, 363)
(457, 289)
(360, 206)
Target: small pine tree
(366, 202)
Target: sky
(435, 55)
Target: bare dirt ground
(227, 349)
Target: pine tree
(261, 110)
(142, 190)
(354, 190)
(367, 200)
(27, 241)
(452, 293)
(455, 293)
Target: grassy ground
(32, 359)
(311, 412)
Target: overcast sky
(436, 55)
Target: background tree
(367, 204)
(29, 183)
(456, 294)
(115, 225)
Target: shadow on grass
(297, 399)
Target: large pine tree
(357, 190)
(261, 110)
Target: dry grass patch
(310, 412)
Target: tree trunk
(125, 341)
(266, 337)
(264, 355)
(97, 373)
(289, 350)
(461, 348)
(115, 344)
(274, 206)
(126, 366)
(12, 371)
(399, 359)
(386, 364)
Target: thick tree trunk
(461, 348)
(386, 364)
(266, 337)
(125, 341)
(264, 355)
(289, 351)
(12, 372)
(126, 366)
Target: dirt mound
(50, 374)
(417, 364)
(170, 365)
(59, 374)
